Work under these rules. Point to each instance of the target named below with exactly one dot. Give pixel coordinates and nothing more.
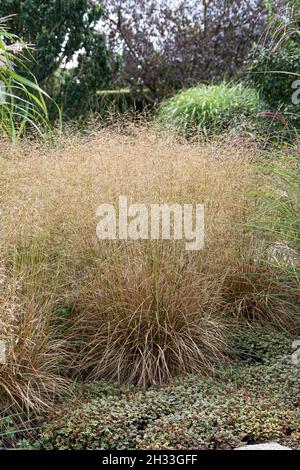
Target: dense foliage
(275, 67)
(58, 30)
(165, 46)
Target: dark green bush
(119, 101)
(276, 65)
(273, 72)
(101, 103)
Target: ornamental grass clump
(138, 311)
(209, 109)
(30, 377)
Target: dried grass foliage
(138, 312)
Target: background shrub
(275, 65)
(176, 52)
(120, 101)
(75, 88)
(272, 72)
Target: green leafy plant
(22, 101)
(209, 109)
(275, 66)
(272, 73)
(61, 31)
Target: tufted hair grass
(139, 312)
